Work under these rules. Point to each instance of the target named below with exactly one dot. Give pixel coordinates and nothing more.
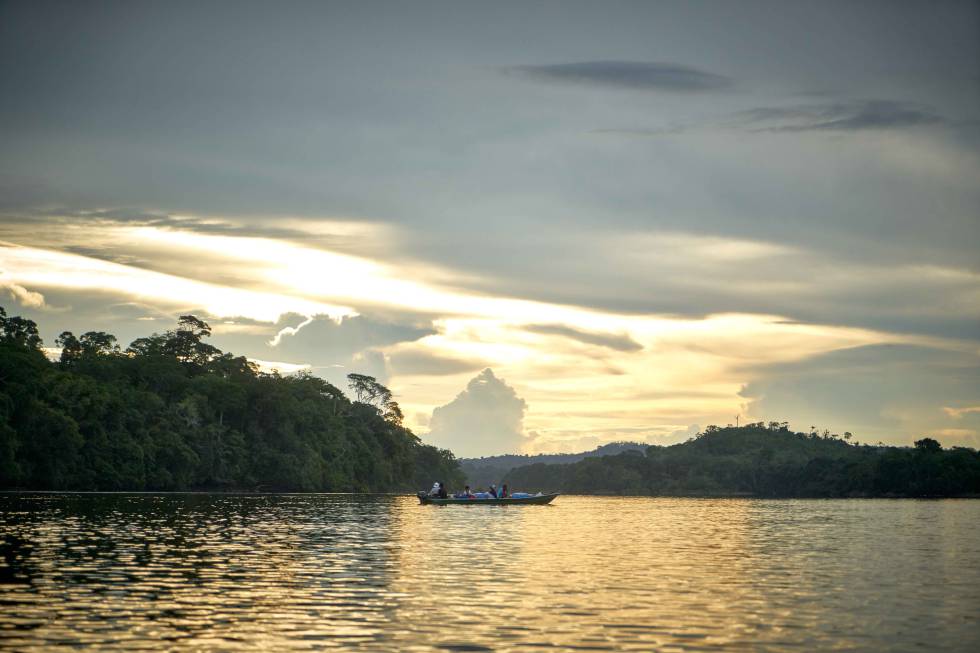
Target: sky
(545, 226)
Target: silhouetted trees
(767, 460)
(481, 472)
(367, 390)
(174, 412)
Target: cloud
(619, 342)
(23, 296)
(957, 413)
(287, 331)
(275, 366)
(330, 348)
(52, 270)
(957, 433)
(643, 75)
(425, 363)
(100, 227)
(324, 340)
(843, 116)
(890, 392)
(675, 436)
(484, 419)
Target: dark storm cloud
(617, 342)
(644, 75)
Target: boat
(533, 499)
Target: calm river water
(186, 571)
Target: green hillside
(766, 460)
(481, 472)
(172, 412)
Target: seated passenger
(503, 492)
(492, 491)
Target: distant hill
(481, 472)
(765, 460)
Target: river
(379, 572)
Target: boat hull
(537, 500)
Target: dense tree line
(481, 472)
(172, 412)
(766, 460)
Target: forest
(766, 460)
(173, 412)
(481, 472)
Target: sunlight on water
(587, 573)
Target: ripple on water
(316, 572)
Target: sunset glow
(639, 233)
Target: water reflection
(382, 572)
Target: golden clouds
(583, 372)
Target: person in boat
(493, 491)
(466, 494)
(503, 492)
(438, 490)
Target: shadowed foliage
(766, 460)
(173, 412)
(481, 472)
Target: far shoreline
(21, 492)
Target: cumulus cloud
(484, 419)
(287, 331)
(23, 296)
(322, 339)
(643, 75)
(329, 348)
(675, 436)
